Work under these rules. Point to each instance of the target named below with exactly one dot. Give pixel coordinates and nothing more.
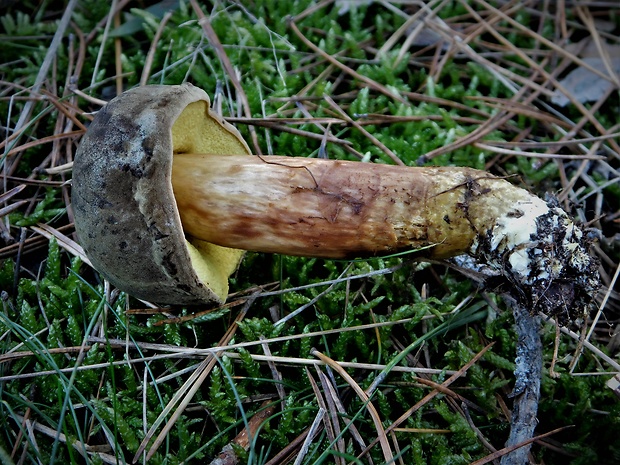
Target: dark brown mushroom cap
(125, 213)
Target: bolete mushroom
(166, 197)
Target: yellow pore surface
(198, 130)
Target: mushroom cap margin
(125, 212)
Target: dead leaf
(581, 83)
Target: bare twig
(527, 385)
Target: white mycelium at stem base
(337, 209)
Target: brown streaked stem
(332, 209)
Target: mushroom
(167, 196)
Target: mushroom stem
(319, 208)
(334, 209)
(342, 209)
